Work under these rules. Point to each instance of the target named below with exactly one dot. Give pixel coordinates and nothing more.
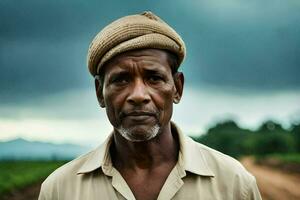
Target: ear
(179, 82)
(99, 91)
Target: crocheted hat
(132, 32)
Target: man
(135, 63)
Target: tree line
(269, 138)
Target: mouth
(139, 115)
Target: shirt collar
(100, 157)
(191, 155)
(191, 158)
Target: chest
(116, 188)
(146, 187)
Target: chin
(137, 134)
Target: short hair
(173, 62)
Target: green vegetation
(293, 158)
(286, 162)
(270, 138)
(18, 174)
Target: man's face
(138, 92)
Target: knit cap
(132, 32)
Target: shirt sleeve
(47, 191)
(42, 195)
(253, 191)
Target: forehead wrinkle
(139, 67)
(157, 66)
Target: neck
(146, 155)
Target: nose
(139, 93)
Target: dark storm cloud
(254, 47)
(43, 45)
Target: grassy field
(15, 175)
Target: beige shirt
(200, 173)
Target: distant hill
(21, 149)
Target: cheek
(164, 101)
(113, 102)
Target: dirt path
(29, 193)
(274, 184)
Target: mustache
(124, 114)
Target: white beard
(129, 135)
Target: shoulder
(228, 172)
(63, 176)
(71, 167)
(223, 165)
(219, 162)
(218, 159)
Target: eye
(155, 78)
(120, 79)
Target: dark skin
(138, 92)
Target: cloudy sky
(243, 63)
